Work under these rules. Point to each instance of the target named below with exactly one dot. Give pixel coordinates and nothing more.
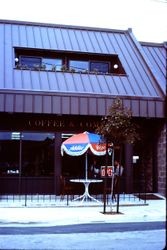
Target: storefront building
(59, 80)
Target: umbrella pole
(86, 168)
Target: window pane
(9, 153)
(30, 62)
(78, 66)
(37, 154)
(51, 63)
(99, 67)
(37, 136)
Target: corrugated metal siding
(80, 83)
(59, 38)
(82, 105)
(156, 53)
(138, 82)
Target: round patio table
(86, 193)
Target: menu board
(110, 171)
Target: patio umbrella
(79, 144)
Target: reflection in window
(9, 153)
(31, 154)
(30, 62)
(37, 154)
(58, 60)
(78, 66)
(52, 64)
(101, 67)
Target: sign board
(110, 171)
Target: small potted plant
(64, 68)
(54, 67)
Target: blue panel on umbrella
(76, 147)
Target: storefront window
(26, 154)
(37, 154)
(9, 153)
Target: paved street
(138, 240)
(84, 228)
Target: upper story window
(52, 63)
(101, 67)
(78, 66)
(33, 63)
(89, 66)
(66, 61)
(29, 62)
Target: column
(128, 168)
(57, 162)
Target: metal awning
(48, 103)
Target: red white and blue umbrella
(79, 144)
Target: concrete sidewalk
(77, 213)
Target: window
(30, 62)
(101, 67)
(68, 61)
(9, 162)
(51, 63)
(31, 154)
(85, 66)
(78, 66)
(37, 154)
